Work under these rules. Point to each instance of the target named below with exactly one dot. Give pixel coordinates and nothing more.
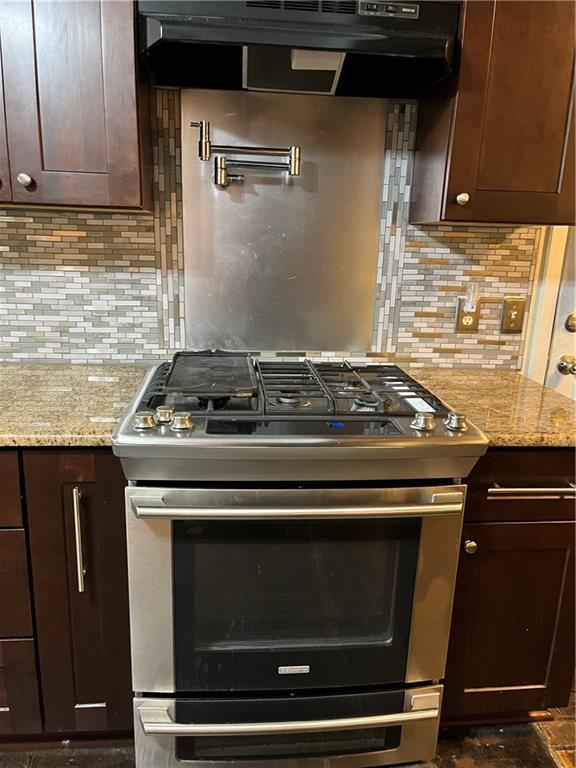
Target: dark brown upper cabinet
(77, 534)
(497, 145)
(71, 105)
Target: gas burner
(353, 386)
(294, 400)
(367, 401)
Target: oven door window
(269, 605)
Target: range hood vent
(332, 47)
(324, 6)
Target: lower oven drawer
(366, 729)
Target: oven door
(287, 589)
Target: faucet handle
(204, 144)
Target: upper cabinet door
(70, 102)
(501, 149)
(5, 190)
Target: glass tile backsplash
(103, 286)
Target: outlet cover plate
(467, 322)
(513, 314)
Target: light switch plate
(513, 314)
(467, 322)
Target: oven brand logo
(302, 669)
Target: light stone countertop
(59, 404)
(63, 404)
(509, 408)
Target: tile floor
(550, 745)
(560, 734)
(546, 745)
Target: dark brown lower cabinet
(10, 506)
(19, 702)
(75, 503)
(512, 639)
(15, 613)
(19, 696)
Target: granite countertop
(63, 404)
(58, 404)
(509, 408)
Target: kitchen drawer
(522, 484)
(15, 613)
(19, 700)
(10, 507)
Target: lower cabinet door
(19, 703)
(75, 501)
(512, 638)
(15, 613)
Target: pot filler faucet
(222, 165)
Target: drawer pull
(569, 490)
(80, 569)
(157, 721)
(470, 547)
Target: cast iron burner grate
(293, 387)
(217, 384)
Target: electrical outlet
(513, 314)
(467, 321)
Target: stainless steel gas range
(293, 534)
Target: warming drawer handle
(291, 513)
(569, 490)
(157, 721)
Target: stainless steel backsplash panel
(283, 263)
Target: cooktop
(219, 385)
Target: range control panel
(380, 8)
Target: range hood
(334, 47)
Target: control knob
(144, 420)
(181, 420)
(164, 414)
(456, 422)
(423, 422)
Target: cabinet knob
(470, 547)
(463, 198)
(25, 179)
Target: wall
(422, 270)
(98, 286)
(103, 286)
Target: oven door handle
(154, 511)
(157, 721)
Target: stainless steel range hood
(336, 47)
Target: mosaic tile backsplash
(100, 286)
